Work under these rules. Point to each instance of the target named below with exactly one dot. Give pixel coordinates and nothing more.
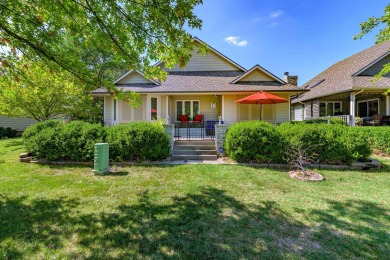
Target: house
(209, 85)
(19, 124)
(346, 89)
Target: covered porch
(366, 104)
(212, 107)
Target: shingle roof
(339, 77)
(205, 81)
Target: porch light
(213, 105)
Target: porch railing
(346, 118)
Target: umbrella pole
(261, 109)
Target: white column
(388, 105)
(223, 107)
(167, 108)
(352, 108)
(148, 110)
(289, 108)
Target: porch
(170, 107)
(347, 106)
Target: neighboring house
(346, 88)
(209, 85)
(19, 124)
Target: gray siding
(316, 108)
(256, 75)
(298, 112)
(376, 68)
(16, 123)
(134, 77)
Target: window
(187, 107)
(368, 108)
(114, 109)
(153, 108)
(330, 108)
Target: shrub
(76, 140)
(7, 132)
(53, 140)
(378, 137)
(254, 141)
(329, 143)
(39, 138)
(138, 141)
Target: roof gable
(375, 67)
(257, 73)
(212, 61)
(134, 77)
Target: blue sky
(302, 37)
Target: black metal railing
(192, 130)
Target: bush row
(378, 137)
(255, 141)
(333, 120)
(75, 141)
(7, 132)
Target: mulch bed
(310, 175)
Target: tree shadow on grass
(208, 224)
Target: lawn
(189, 211)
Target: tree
(382, 36)
(89, 38)
(40, 93)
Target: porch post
(223, 108)
(388, 105)
(352, 108)
(148, 110)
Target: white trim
(388, 105)
(367, 100)
(326, 106)
(223, 107)
(371, 64)
(139, 72)
(216, 52)
(257, 66)
(289, 108)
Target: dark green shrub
(138, 141)
(254, 141)
(378, 137)
(35, 137)
(7, 132)
(328, 143)
(53, 140)
(76, 140)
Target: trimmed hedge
(378, 137)
(53, 140)
(331, 143)
(7, 132)
(255, 141)
(333, 120)
(138, 141)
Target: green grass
(189, 211)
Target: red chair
(184, 118)
(198, 118)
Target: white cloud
(235, 41)
(275, 14)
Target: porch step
(195, 157)
(194, 142)
(194, 150)
(193, 147)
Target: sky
(300, 37)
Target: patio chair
(375, 120)
(184, 120)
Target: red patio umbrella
(261, 98)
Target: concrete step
(194, 157)
(194, 142)
(193, 147)
(194, 152)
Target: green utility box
(101, 164)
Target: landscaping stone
(24, 155)
(25, 159)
